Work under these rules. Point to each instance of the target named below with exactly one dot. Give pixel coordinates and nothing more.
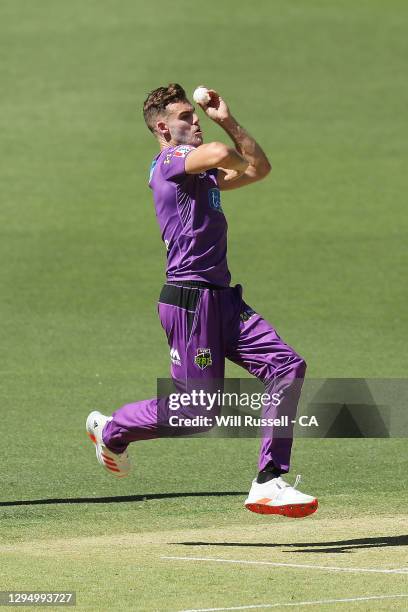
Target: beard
(187, 138)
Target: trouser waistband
(195, 284)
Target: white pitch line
(303, 566)
(298, 603)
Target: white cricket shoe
(278, 497)
(117, 464)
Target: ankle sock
(269, 472)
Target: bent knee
(300, 365)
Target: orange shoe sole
(290, 510)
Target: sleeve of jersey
(173, 164)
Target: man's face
(182, 124)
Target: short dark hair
(157, 100)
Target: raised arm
(258, 164)
(214, 155)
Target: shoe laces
(285, 485)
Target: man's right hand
(216, 109)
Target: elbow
(264, 169)
(260, 170)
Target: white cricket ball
(201, 95)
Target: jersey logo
(182, 151)
(203, 358)
(214, 198)
(246, 314)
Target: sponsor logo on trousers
(203, 358)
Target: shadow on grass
(338, 546)
(117, 499)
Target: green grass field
(320, 248)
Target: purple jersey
(192, 223)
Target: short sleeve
(173, 162)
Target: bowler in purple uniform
(204, 318)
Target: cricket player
(205, 319)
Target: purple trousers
(204, 326)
